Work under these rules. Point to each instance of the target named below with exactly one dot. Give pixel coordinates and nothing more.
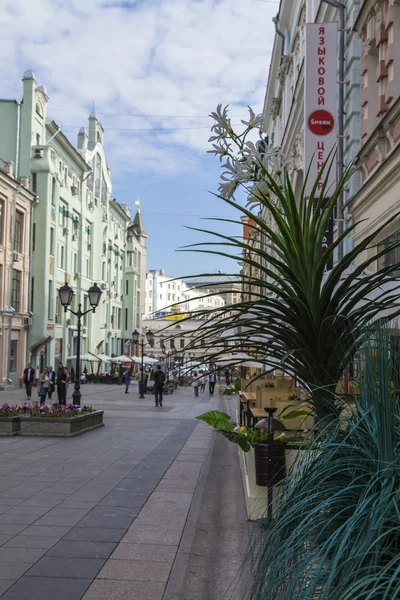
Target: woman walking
(195, 384)
(203, 382)
(44, 384)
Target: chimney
(25, 181)
(9, 168)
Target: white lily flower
(254, 120)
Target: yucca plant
(336, 534)
(301, 317)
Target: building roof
(209, 279)
(139, 223)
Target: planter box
(9, 425)
(62, 427)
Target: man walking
(29, 380)
(211, 383)
(127, 380)
(52, 380)
(159, 379)
(62, 382)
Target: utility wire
(141, 115)
(144, 128)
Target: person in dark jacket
(52, 379)
(159, 379)
(29, 380)
(62, 382)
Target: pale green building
(80, 233)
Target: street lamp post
(135, 338)
(66, 293)
(164, 351)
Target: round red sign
(321, 122)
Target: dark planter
(61, 427)
(10, 425)
(270, 463)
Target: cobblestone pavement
(103, 515)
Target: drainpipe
(275, 21)
(29, 336)
(340, 154)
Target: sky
(154, 70)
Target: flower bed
(48, 420)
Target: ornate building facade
(16, 204)
(378, 26)
(81, 234)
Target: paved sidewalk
(65, 504)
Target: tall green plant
(336, 535)
(301, 317)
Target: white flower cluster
(246, 162)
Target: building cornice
(66, 145)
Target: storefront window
(13, 356)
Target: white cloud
(155, 57)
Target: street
(134, 510)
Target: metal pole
(141, 344)
(77, 387)
(340, 153)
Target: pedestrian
(159, 379)
(146, 381)
(52, 379)
(227, 377)
(62, 382)
(44, 384)
(195, 384)
(203, 382)
(29, 380)
(127, 380)
(211, 383)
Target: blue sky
(154, 69)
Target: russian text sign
(320, 99)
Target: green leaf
(219, 420)
(238, 439)
(296, 413)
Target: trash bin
(270, 463)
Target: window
(103, 271)
(53, 191)
(393, 255)
(126, 318)
(169, 286)
(87, 268)
(126, 287)
(172, 343)
(149, 309)
(119, 318)
(2, 222)
(61, 256)
(75, 262)
(39, 109)
(16, 290)
(50, 304)
(34, 183)
(169, 296)
(182, 343)
(19, 223)
(38, 139)
(160, 296)
(13, 356)
(51, 241)
(150, 294)
(58, 310)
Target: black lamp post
(66, 293)
(164, 351)
(135, 338)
